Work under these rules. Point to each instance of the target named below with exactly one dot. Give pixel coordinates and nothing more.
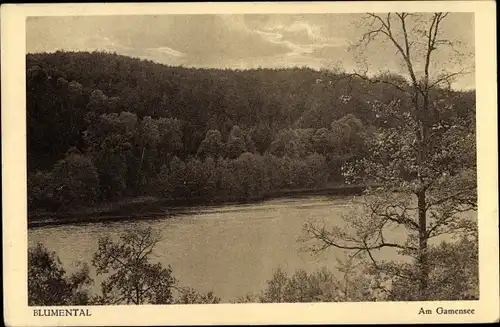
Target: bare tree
(425, 164)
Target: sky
(250, 41)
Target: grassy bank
(151, 207)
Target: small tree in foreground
(131, 278)
(318, 286)
(188, 295)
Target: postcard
(249, 163)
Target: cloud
(234, 41)
(199, 37)
(170, 39)
(299, 32)
(300, 37)
(303, 40)
(167, 51)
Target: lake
(231, 250)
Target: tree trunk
(422, 248)
(137, 297)
(421, 112)
(139, 172)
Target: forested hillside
(102, 127)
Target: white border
(16, 311)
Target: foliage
(319, 286)
(190, 296)
(212, 145)
(131, 278)
(236, 143)
(41, 190)
(48, 283)
(102, 126)
(294, 143)
(453, 274)
(420, 155)
(75, 179)
(131, 118)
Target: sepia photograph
(252, 158)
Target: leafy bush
(48, 283)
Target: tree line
(102, 127)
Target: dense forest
(103, 127)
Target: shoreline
(151, 208)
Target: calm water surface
(231, 250)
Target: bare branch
(371, 35)
(402, 17)
(328, 241)
(118, 300)
(454, 196)
(370, 255)
(430, 48)
(448, 77)
(118, 260)
(386, 30)
(401, 219)
(373, 80)
(450, 44)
